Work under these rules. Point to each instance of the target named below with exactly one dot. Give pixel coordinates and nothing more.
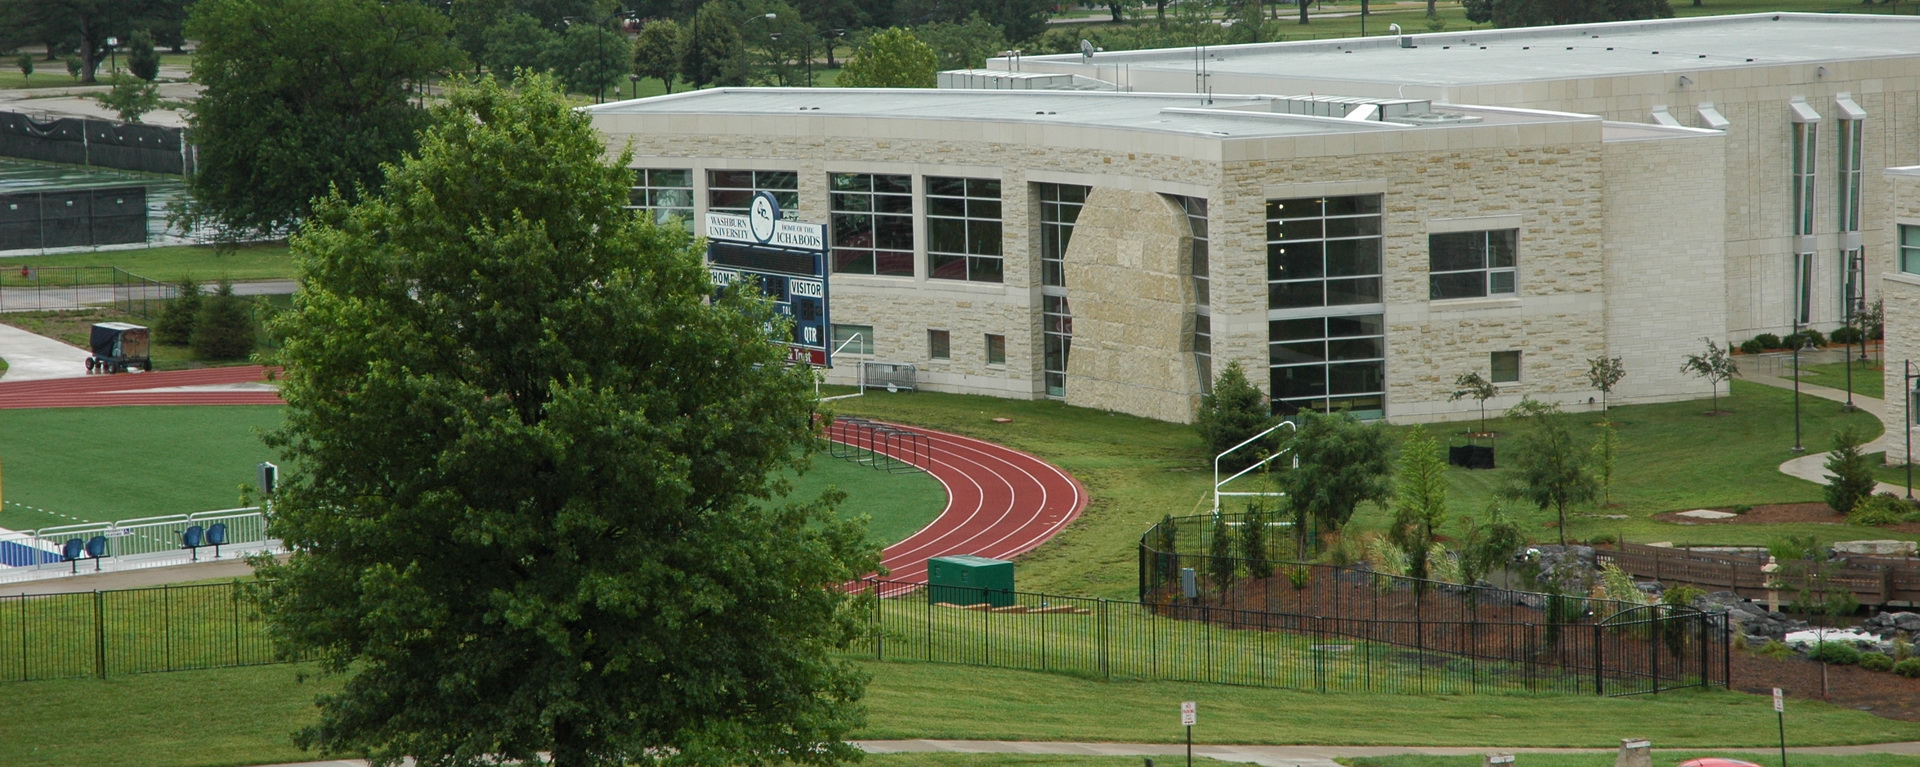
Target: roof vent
(1438, 118)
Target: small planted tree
(1486, 544)
(1221, 565)
(130, 97)
(1470, 384)
(142, 60)
(1549, 469)
(1231, 414)
(1343, 463)
(1253, 542)
(25, 62)
(176, 320)
(1606, 455)
(1852, 479)
(224, 329)
(1715, 365)
(1420, 504)
(1604, 373)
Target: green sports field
(62, 466)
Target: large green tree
(891, 58)
(1342, 463)
(656, 51)
(516, 42)
(83, 25)
(713, 41)
(589, 58)
(1538, 13)
(302, 96)
(533, 512)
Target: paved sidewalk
(37, 358)
(1270, 756)
(1812, 466)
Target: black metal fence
(1602, 646)
(73, 217)
(99, 143)
(130, 631)
(70, 287)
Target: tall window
(1059, 210)
(939, 345)
(664, 193)
(1323, 252)
(1472, 264)
(1325, 320)
(1329, 364)
(1847, 208)
(1803, 288)
(872, 224)
(996, 349)
(1909, 249)
(731, 191)
(1196, 209)
(963, 229)
(1805, 156)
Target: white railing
(147, 536)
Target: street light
(620, 30)
(633, 85)
(113, 54)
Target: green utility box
(969, 580)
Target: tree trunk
(1432, 11)
(1303, 10)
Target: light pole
(633, 85)
(113, 55)
(619, 29)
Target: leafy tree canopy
(1549, 470)
(84, 25)
(1539, 13)
(516, 42)
(1233, 413)
(302, 96)
(589, 58)
(713, 40)
(656, 52)
(891, 58)
(1343, 463)
(515, 531)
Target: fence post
(1598, 685)
(166, 622)
(99, 635)
(1106, 643)
(879, 634)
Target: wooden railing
(1871, 580)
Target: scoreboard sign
(789, 261)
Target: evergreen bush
(1875, 661)
(1908, 668)
(1836, 653)
(176, 320)
(224, 328)
(1231, 414)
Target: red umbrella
(1716, 761)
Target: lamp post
(1907, 391)
(633, 85)
(113, 55)
(1798, 341)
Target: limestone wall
(1901, 296)
(1130, 282)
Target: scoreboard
(789, 261)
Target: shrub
(1874, 661)
(1846, 335)
(1814, 336)
(1603, 539)
(1836, 653)
(1769, 341)
(1231, 414)
(1741, 508)
(1852, 479)
(224, 328)
(1682, 595)
(176, 320)
(1773, 649)
(1879, 510)
(1908, 668)
(1752, 346)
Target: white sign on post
(1779, 701)
(1189, 714)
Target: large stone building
(1900, 289)
(1512, 203)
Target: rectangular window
(664, 193)
(1323, 252)
(1909, 249)
(939, 345)
(963, 229)
(1805, 154)
(731, 191)
(1057, 333)
(1853, 296)
(1196, 209)
(872, 218)
(1472, 264)
(996, 349)
(1803, 288)
(1506, 367)
(1848, 210)
(861, 337)
(1329, 364)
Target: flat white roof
(1223, 117)
(1550, 53)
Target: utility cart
(119, 347)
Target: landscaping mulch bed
(1879, 692)
(1784, 513)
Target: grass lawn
(97, 464)
(257, 706)
(1137, 470)
(1869, 378)
(896, 505)
(73, 327)
(1660, 756)
(262, 261)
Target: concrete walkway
(1271, 756)
(37, 358)
(1812, 466)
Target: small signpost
(1780, 710)
(1189, 714)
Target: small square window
(939, 345)
(1506, 367)
(996, 349)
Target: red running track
(1001, 502)
(141, 389)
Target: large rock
(1878, 548)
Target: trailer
(119, 347)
